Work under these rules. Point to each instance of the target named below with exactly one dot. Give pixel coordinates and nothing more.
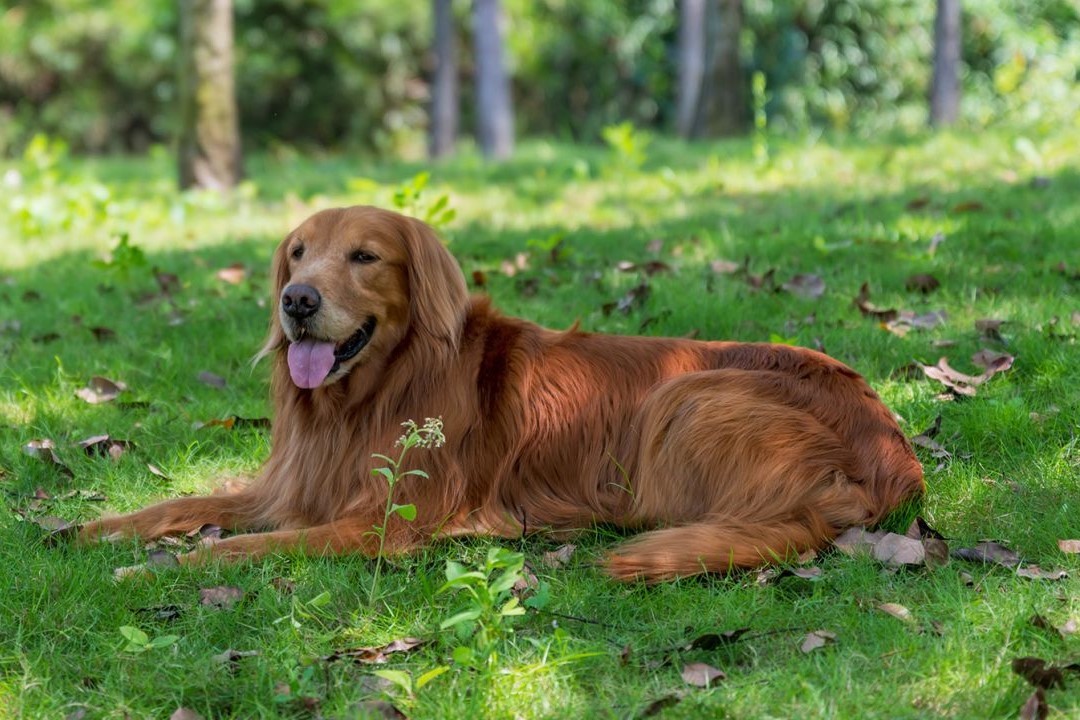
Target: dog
(723, 455)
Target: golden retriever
(729, 455)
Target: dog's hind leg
(716, 544)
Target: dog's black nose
(300, 301)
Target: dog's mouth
(311, 361)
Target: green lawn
(994, 217)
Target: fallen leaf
(868, 309)
(960, 383)
(233, 274)
(559, 556)
(1038, 673)
(989, 552)
(968, 206)
(46, 338)
(918, 203)
(183, 713)
(817, 639)
(648, 268)
(100, 390)
(235, 422)
(1069, 546)
(633, 299)
(163, 613)
(893, 549)
(168, 282)
(857, 539)
(987, 359)
(990, 329)
(805, 286)
(712, 641)
(905, 321)
(104, 446)
(162, 559)
(233, 656)
(285, 586)
(919, 528)
(45, 450)
(701, 675)
(1034, 572)
(724, 267)
(479, 278)
(155, 470)
(221, 596)
(1069, 627)
(103, 334)
(208, 378)
(369, 709)
(526, 584)
(659, 705)
(1035, 707)
(762, 282)
(922, 282)
(897, 611)
(375, 655)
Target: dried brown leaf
(805, 286)
(233, 274)
(990, 328)
(893, 549)
(221, 596)
(1034, 572)
(817, 639)
(103, 334)
(100, 390)
(897, 611)
(725, 267)
(968, 206)
(868, 309)
(989, 552)
(375, 655)
(559, 556)
(1069, 546)
(922, 282)
(1038, 673)
(45, 450)
(987, 358)
(479, 279)
(961, 383)
(857, 540)
(701, 675)
(183, 713)
(1035, 707)
(213, 380)
(659, 705)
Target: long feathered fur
(727, 455)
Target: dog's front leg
(339, 537)
(173, 517)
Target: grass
(847, 212)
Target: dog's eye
(298, 252)
(363, 257)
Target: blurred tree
(709, 40)
(444, 84)
(691, 53)
(945, 87)
(210, 153)
(494, 114)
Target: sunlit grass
(851, 212)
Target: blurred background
(394, 79)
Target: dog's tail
(716, 544)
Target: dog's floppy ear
(279, 276)
(438, 297)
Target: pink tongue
(310, 362)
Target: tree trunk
(945, 87)
(723, 107)
(210, 154)
(494, 115)
(444, 84)
(691, 51)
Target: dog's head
(351, 284)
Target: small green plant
(405, 681)
(628, 144)
(139, 642)
(301, 610)
(124, 259)
(761, 119)
(484, 619)
(429, 435)
(407, 199)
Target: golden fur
(729, 455)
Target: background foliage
(333, 73)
